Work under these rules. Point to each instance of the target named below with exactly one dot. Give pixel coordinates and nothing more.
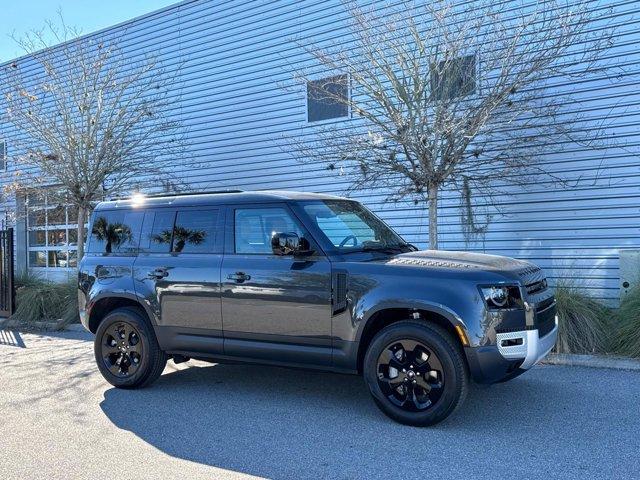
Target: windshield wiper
(386, 248)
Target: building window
(328, 98)
(453, 78)
(52, 230)
(3, 155)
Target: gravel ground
(60, 419)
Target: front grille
(532, 276)
(546, 320)
(528, 271)
(543, 305)
(536, 287)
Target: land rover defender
(305, 280)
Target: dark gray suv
(305, 280)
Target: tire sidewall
(138, 322)
(453, 384)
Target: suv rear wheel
(126, 349)
(415, 373)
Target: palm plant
(181, 236)
(113, 234)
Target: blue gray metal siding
(234, 58)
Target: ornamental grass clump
(627, 338)
(40, 300)
(582, 321)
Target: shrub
(29, 279)
(582, 321)
(41, 300)
(627, 339)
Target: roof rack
(181, 194)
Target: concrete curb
(10, 323)
(593, 361)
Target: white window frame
(66, 226)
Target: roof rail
(181, 194)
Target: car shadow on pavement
(276, 422)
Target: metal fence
(7, 287)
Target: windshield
(350, 227)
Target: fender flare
(127, 296)
(450, 315)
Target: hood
(465, 260)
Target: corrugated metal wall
(234, 58)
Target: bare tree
(87, 118)
(450, 95)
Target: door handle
(158, 273)
(239, 277)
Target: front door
(274, 308)
(178, 269)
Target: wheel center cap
(411, 374)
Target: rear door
(275, 308)
(178, 268)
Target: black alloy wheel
(410, 374)
(416, 372)
(126, 349)
(122, 349)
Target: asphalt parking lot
(59, 419)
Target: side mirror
(289, 244)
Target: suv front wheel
(415, 373)
(126, 349)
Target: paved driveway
(59, 419)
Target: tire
(440, 382)
(141, 360)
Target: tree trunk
(433, 217)
(82, 219)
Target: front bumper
(526, 345)
(498, 363)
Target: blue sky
(20, 16)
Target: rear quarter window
(115, 232)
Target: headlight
(500, 296)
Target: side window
(255, 226)
(339, 227)
(115, 232)
(157, 231)
(195, 231)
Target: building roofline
(101, 31)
